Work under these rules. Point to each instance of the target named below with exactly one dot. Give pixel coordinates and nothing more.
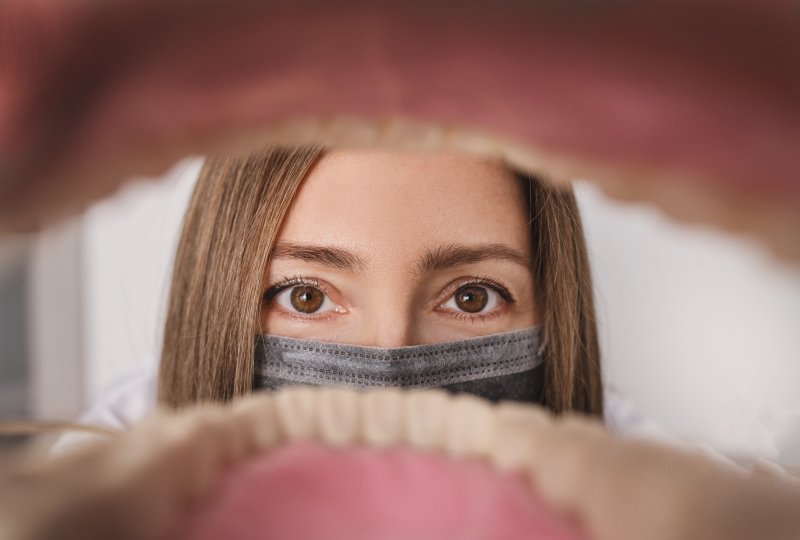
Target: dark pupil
(307, 299)
(472, 299)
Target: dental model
(300, 463)
(691, 104)
(335, 463)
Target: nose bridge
(390, 298)
(388, 328)
(389, 320)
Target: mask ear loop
(542, 345)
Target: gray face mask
(506, 366)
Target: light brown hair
(228, 233)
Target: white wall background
(699, 329)
(128, 247)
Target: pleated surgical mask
(507, 366)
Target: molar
(258, 416)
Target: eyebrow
(325, 255)
(449, 255)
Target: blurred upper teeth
(682, 195)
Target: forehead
(375, 199)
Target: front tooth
(410, 134)
(350, 132)
(259, 415)
(470, 427)
(472, 142)
(426, 415)
(518, 428)
(296, 412)
(299, 131)
(338, 416)
(382, 417)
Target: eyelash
(484, 281)
(293, 281)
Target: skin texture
(389, 210)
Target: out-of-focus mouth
(693, 105)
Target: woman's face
(383, 248)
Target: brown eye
(471, 299)
(306, 299)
